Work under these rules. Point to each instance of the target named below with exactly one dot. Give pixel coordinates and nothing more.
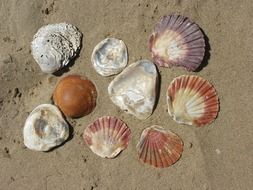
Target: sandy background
(217, 157)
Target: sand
(218, 156)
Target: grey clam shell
(45, 128)
(54, 45)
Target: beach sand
(218, 156)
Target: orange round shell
(192, 100)
(107, 136)
(177, 41)
(159, 147)
(75, 96)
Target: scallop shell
(107, 136)
(159, 147)
(109, 57)
(192, 100)
(135, 89)
(177, 41)
(45, 128)
(54, 45)
(75, 96)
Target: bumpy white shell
(45, 128)
(54, 45)
(109, 57)
(135, 89)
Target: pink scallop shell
(159, 147)
(177, 41)
(192, 100)
(107, 136)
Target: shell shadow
(66, 68)
(71, 62)
(158, 88)
(207, 55)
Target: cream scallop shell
(192, 100)
(109, 57)
(45, 128)
(54, 45)
(107, 136)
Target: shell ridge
(153, 153)
(197, 86)
(141, 143)
(192, 40)
(125, 134)
(144, 152)
(185, 27)
(112, 127)
(105, 123)
(149, 153)
(116, 127)
(205, 104)
(199, 107)
(200, 96)
(119, 132)
(197, 43)
(160, 155)
(168, 157)
(191, 30)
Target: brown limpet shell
(192, 100)
(177, 41)
(75, 96)
(159, 147)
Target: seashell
(54, 45)
(135, 89)
(159, 147)
(75, 96)
(192, 100)
(107, 136)
(109, 57)
(177, 41)
(45, 128)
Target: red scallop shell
(107, 136)
(177, 41)
(159, 147)
(192, 100)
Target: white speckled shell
(45, 128)
(109, 57)
(135, 89)
(54, 45)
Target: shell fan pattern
(159, 147)
(177, 41)
(192, 100)
(107, 136)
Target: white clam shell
(45, 128)
(109, 57)
(54, 45)
(135, 89)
